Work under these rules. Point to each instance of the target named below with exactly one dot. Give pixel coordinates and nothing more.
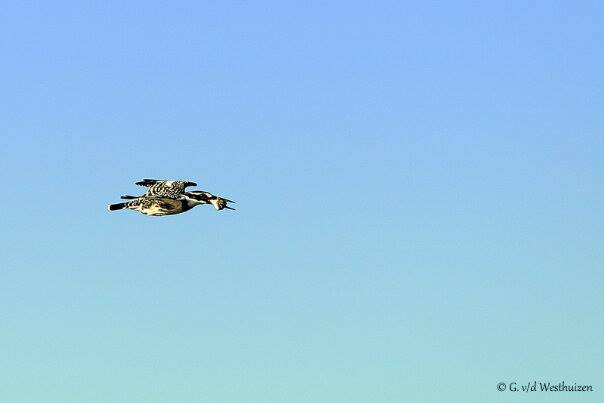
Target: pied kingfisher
(167, 197)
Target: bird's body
(157, 206)
(168, 197)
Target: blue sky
(419, 191)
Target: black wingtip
(187, 184)
(146, 182)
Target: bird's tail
(116, 206)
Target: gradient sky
(419, 201)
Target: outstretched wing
(165, 188)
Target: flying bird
(168, 197)
(199, 196)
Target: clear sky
(419, 201)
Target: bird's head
(202, 197)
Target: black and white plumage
(165, 188)
(168, 197)
(219, 203)
(156, 206)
